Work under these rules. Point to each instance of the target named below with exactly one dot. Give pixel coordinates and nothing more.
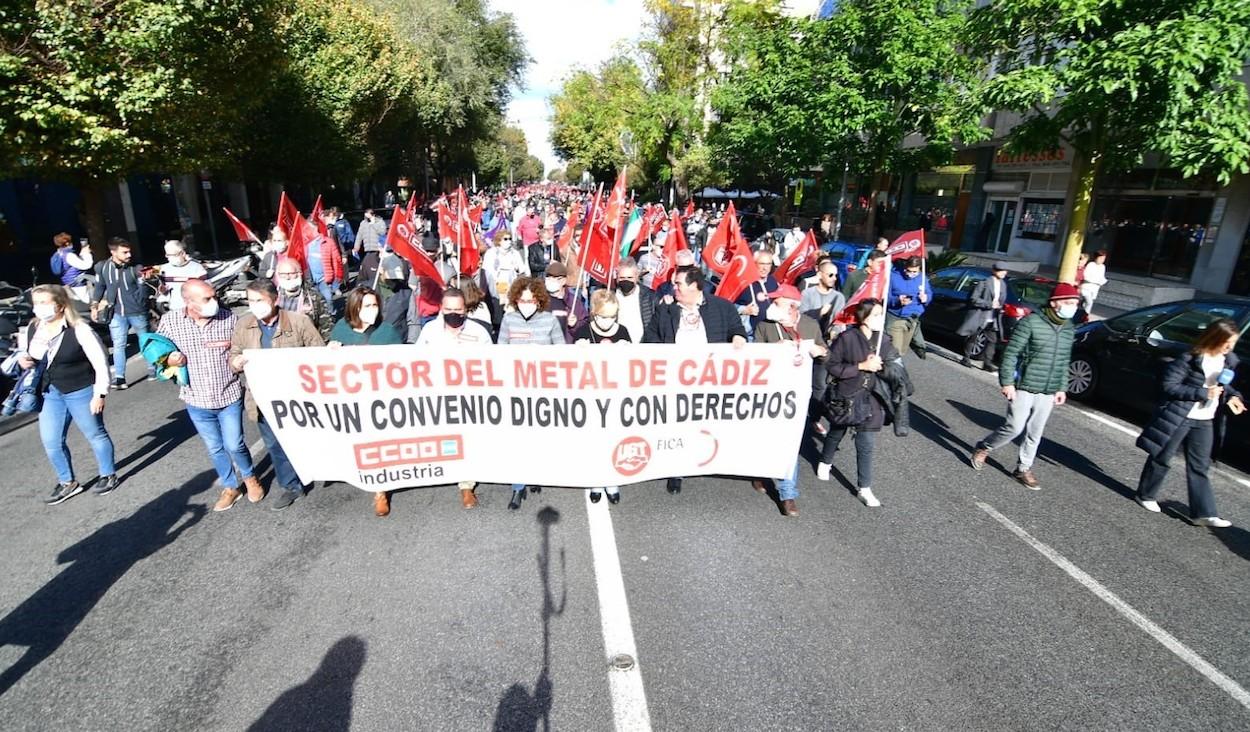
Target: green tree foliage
(592, 109)
(1116, 79)
(505, 157)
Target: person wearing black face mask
(637, 303)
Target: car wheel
(1082, 377)
(978, 347)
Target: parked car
(953, 286)
(848, 256)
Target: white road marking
(629, 699)
(1166, 639)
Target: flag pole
(885, 298)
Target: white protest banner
(386, 417)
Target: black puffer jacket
(1183, 387)
(891, 386)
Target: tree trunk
(92, 215)
(1085, 169)
(870, 224)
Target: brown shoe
(228, 498)
(467, 498)
(759, 485)
(255, 491)
(1026, 477)
(381, 503)
(978, 458)
(789, 507)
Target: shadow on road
(519, 710)
(176, 430)
(46, 618)
(324, 701)
(936, 429)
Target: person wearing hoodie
(1034, 379)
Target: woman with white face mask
(74, 385)
(603, 326)
(854, 363)
(528, 322)
(362, 323)
(275, 252)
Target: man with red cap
(783, 323)
(1034, 377)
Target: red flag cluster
(908, 245)
(598, 247)
(802, 259)
(404, 239)
(675, 242)
(728, 254)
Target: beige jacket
(295, 330)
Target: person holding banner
(530, 322)
(855, 361)
(214, 392)
(362, 324)
(910, 293)
(603, 326)
(695, 318)
(784, 323)
(453, 327)
(637, 304)
(268, 326)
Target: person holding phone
(1197, 390)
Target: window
(1130, 322)
(1040, 219)
(947, 279)
(1033, 292)
(973, 279)
(1187, 325)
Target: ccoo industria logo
(631, 455)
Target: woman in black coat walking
(854, 365)
(1197, 387)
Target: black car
(954, 285)
(1122, 358)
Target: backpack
(58, 264)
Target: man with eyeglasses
(909, 296)
(296, 295)
(637, 304)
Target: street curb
(17, 422)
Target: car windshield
(1131, 322)
(1033, 292)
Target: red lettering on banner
(647, 373)
(631, 455)
(353, 378)
(470, 372)
(306, 380)
(760, 377)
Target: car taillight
(1012, 310)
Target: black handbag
(850, 411)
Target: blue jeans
(327, 291)
(283, 471)
(788, 487)
(119, 328)
(54, 419)
(222, 432)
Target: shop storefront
(1153, 222)
(1024, 212)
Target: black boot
(517, 497)
(674, 485)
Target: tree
(504, 158)
(1117, 79)
(95, 89)
(592, 109)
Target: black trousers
(1196, 437)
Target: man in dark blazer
(985, 313)
(694, 318)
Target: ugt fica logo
(631, 455)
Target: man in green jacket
(1034, 378)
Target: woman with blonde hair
(603, 326)
(74, 385)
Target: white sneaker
(1213, 522)
(1151, 506)
(865, 495)
(822, 471)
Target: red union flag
(802, 259)
(287, 213)
(907, 245)
(740, 273)
(466, 241)
(240, 228)
(318, 218)
(876, 286)
(675, 242)
(616, 204)
(404, 240)
(723, 242)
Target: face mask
(290, 284)
(876, 323)
(368, 316)
(209, 309)
(777, 313)
(1066, 312)
(527, 309)
(177, 261)
(604, 323)
(454, 320)
(626, 287)
(261, 309)
(45, 312)
(554, 286)
(279, 247)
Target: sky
(561, 35)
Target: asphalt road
(144, 610)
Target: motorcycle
(229, 278)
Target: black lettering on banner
(548, 412)
(280, 411)
(302, 414)
(344, 417)
(603, 405)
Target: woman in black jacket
(1196, 388)
(854, 365)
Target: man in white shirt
(1095, 278)
(793, 238)
(179, 268)
(452, 328)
